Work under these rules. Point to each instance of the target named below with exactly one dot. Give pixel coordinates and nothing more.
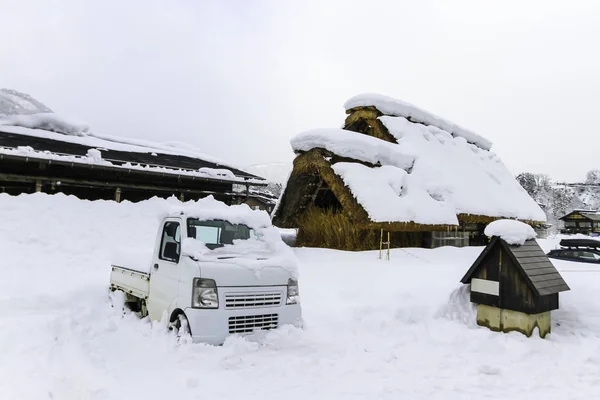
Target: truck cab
(215, 271)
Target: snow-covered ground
(375, 329)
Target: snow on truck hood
(267, 251)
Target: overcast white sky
(239, 78)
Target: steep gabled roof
(412, 173)
(589, 214)
(531, 261)
(398, 108)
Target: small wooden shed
(515, 287)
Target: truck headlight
(204, 293)
(293, 294)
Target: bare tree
(593, 176)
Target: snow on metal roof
(27, 126)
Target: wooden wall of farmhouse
(294, 200)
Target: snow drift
(374, 329)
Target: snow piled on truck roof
(208, 208)
(267, 250)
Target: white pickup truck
(215, 270)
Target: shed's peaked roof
(531, 261)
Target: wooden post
(181, 197)
(380, 243)
(38, 185)
(388, 243)
(118, 195)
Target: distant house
(581, 221)
(258, 200)
(400, 169)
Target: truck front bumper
(215, 326)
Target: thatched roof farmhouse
(399, 168)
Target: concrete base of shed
(502, 320)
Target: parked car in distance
(581, 250)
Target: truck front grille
(251, 323)
(252, 299)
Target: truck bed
(131, 271)
(132, 282)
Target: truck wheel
(133, 306)
(181, 326)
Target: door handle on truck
(155, 266)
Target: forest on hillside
(559, 198)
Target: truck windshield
(217, 233)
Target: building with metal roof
(581, 221)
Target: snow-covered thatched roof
(399, 108)
(429, 176)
